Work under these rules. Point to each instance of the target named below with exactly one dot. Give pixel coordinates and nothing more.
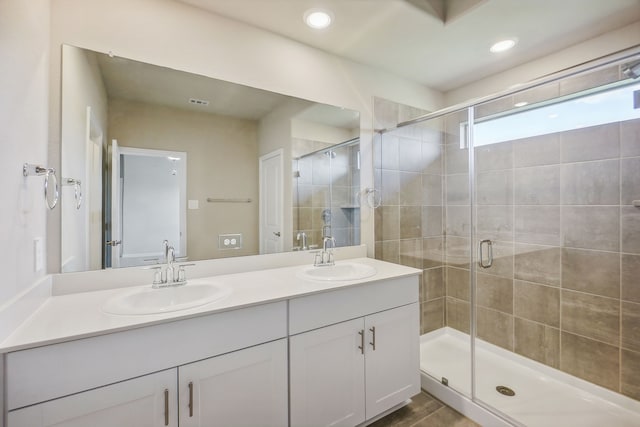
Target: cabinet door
(243, 388)
(327, 376)
(148, 401)
(393, 368)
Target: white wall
(220, 149)
(606, 44)
(83, 87)
(24, 85)
(305, 129)
(176, 35)
(274, 132)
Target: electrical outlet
(229, 241)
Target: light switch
(38, 254)
(193, 204)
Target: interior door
(116, 211)
(271, 203)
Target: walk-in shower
(326, 181)
(522, 211)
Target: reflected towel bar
(212, 200)
(77, 189)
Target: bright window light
(597, 108)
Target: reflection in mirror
(326, 184)
(152, 194)
(112, 105)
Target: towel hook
(49, 173)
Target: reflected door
(271, 209)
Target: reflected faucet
(302, 235)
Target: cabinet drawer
(316, 311)
(44, 373)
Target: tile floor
(425, 411)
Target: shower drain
(505, 390)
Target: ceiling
(413, 38)
(137, 81)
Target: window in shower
(606, 104)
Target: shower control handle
(481, 260)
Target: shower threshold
(544, 396)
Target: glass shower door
(554, 231)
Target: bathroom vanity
(277, 350)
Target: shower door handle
(489, 245)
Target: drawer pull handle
(361, 346)
(166, 406)
(191, 399)
(373, 342)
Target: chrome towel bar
(212, 200)
(49, 173)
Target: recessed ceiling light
(520, 104)
(318, 18)
(503, 45)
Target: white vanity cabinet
(353, 370)
(246, 388)
(148, 401)
(230, 358)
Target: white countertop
(79, 315)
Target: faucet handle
(182, 277)
(157, 274)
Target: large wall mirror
(216, 169)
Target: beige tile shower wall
(220, 150)
(408, 224)
(322, 185)
(565, 286)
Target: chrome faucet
(325, 257)
(302, 235)
(171, 275)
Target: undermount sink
(146, 300)
(342, 271)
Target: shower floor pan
(543, 396)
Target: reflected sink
(146, 300)
(342, 271)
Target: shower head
(631, 69)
